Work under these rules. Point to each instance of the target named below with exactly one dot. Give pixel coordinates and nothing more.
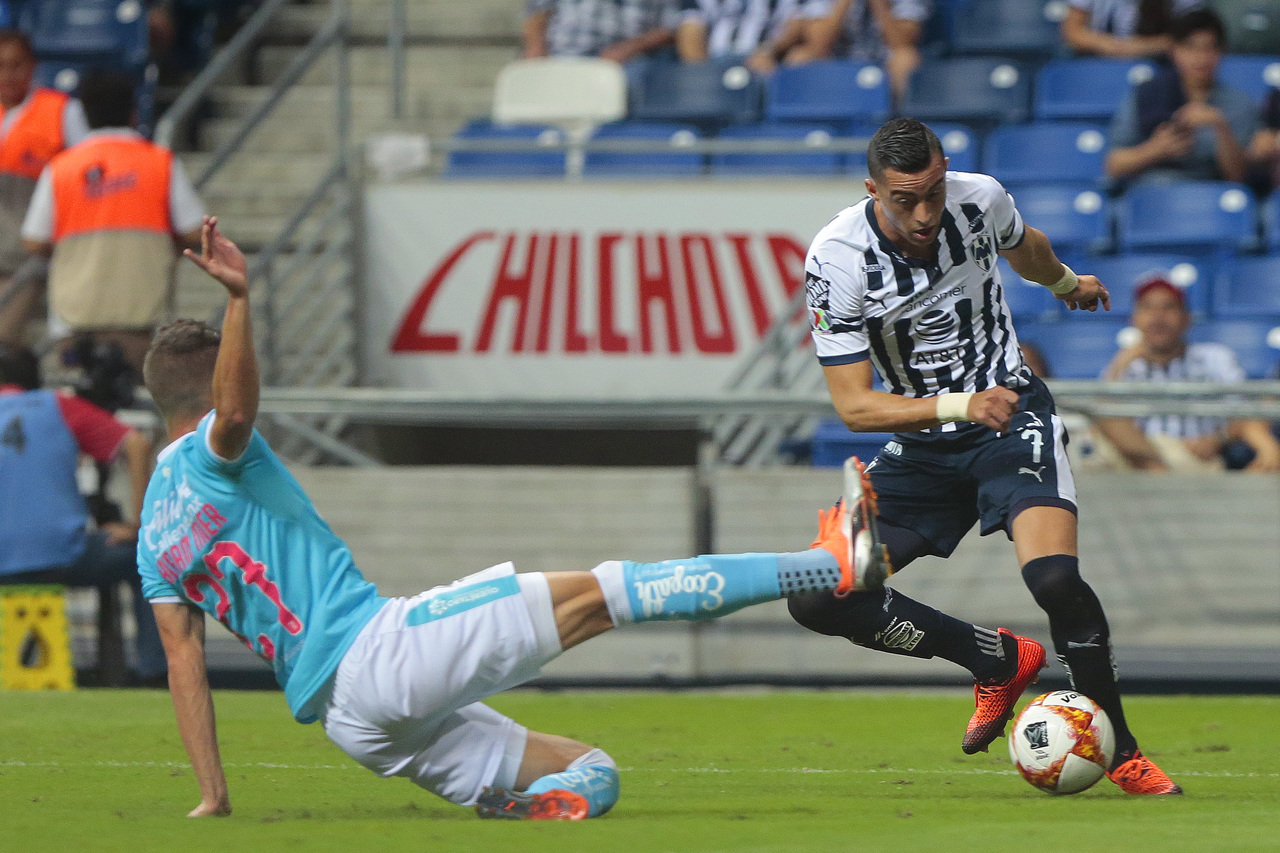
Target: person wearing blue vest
(397, 683)
(44, 522)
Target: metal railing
(305, 277)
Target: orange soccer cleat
(555, 804)
(849, 531)
(995, 699)
(1139, 775)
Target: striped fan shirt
(929, 327)
(1207, 362)
(739, 27)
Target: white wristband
(1066, 284)
(953, 407)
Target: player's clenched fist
(993, 407)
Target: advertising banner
(586, 291)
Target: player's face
(1162, 320)
(1197, 58)
(909, 205)
(16, 68)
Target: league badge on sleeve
(817, 297)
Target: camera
(106, 379)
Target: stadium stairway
(452, 54)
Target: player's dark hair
(904, 145)
(19, 366)
(1185, 26)
(178, 369)
(107, 96)
(18, 37)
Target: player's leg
(1045, 538)
(616, 592)
(559, 779)
(922, 511)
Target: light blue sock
(593, 776)
(710, 586)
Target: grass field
(754, 771)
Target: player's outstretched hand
(211, 808)
(993, 408)
(221, 258)
(1088, 295)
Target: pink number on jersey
(255, 574)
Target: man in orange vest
(108, 211)
(35, 124)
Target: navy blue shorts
(939, 484)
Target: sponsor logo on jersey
(935, 327)
(925, 300)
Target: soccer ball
(1062, 742)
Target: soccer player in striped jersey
(904, 282)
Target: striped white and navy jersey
(1200, 363)
(739, 27)
(1120, 17)
(929, 327)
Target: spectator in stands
(108, 211)
(763, 32)
(883, 31)
(1162, 354)
(43, 517)
(1123, 28)
(1183, 123)
(35, 124)
(1264, 149)
(621, 30)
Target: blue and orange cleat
(556, 804)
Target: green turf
(784, 771)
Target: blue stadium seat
(959, 143)
(1075, 350)
(713, 93)
(1074, 216)
(1121, 274)
(1256, 343)
(1253, 26)
(1249, 288)
(822, 162)
(1253, 75)
(974, 90)
(1046, 152)
(828, 91)
(506, 164)
(645, 163)
(1271, 223)
(1086, 89)
(1027, 300)
(1006, 27)
(100, 32)
(1198, 216)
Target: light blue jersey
(242, 541)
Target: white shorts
(406, 697)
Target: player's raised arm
(235, 374)
(1035, 260)
(182, 631)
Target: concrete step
(485, 21)
(425, 66)
(306, 103)
(234, 200)
(287, 169)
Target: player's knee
(823, 613)
(1054, 580)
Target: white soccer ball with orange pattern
(1062, 742)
